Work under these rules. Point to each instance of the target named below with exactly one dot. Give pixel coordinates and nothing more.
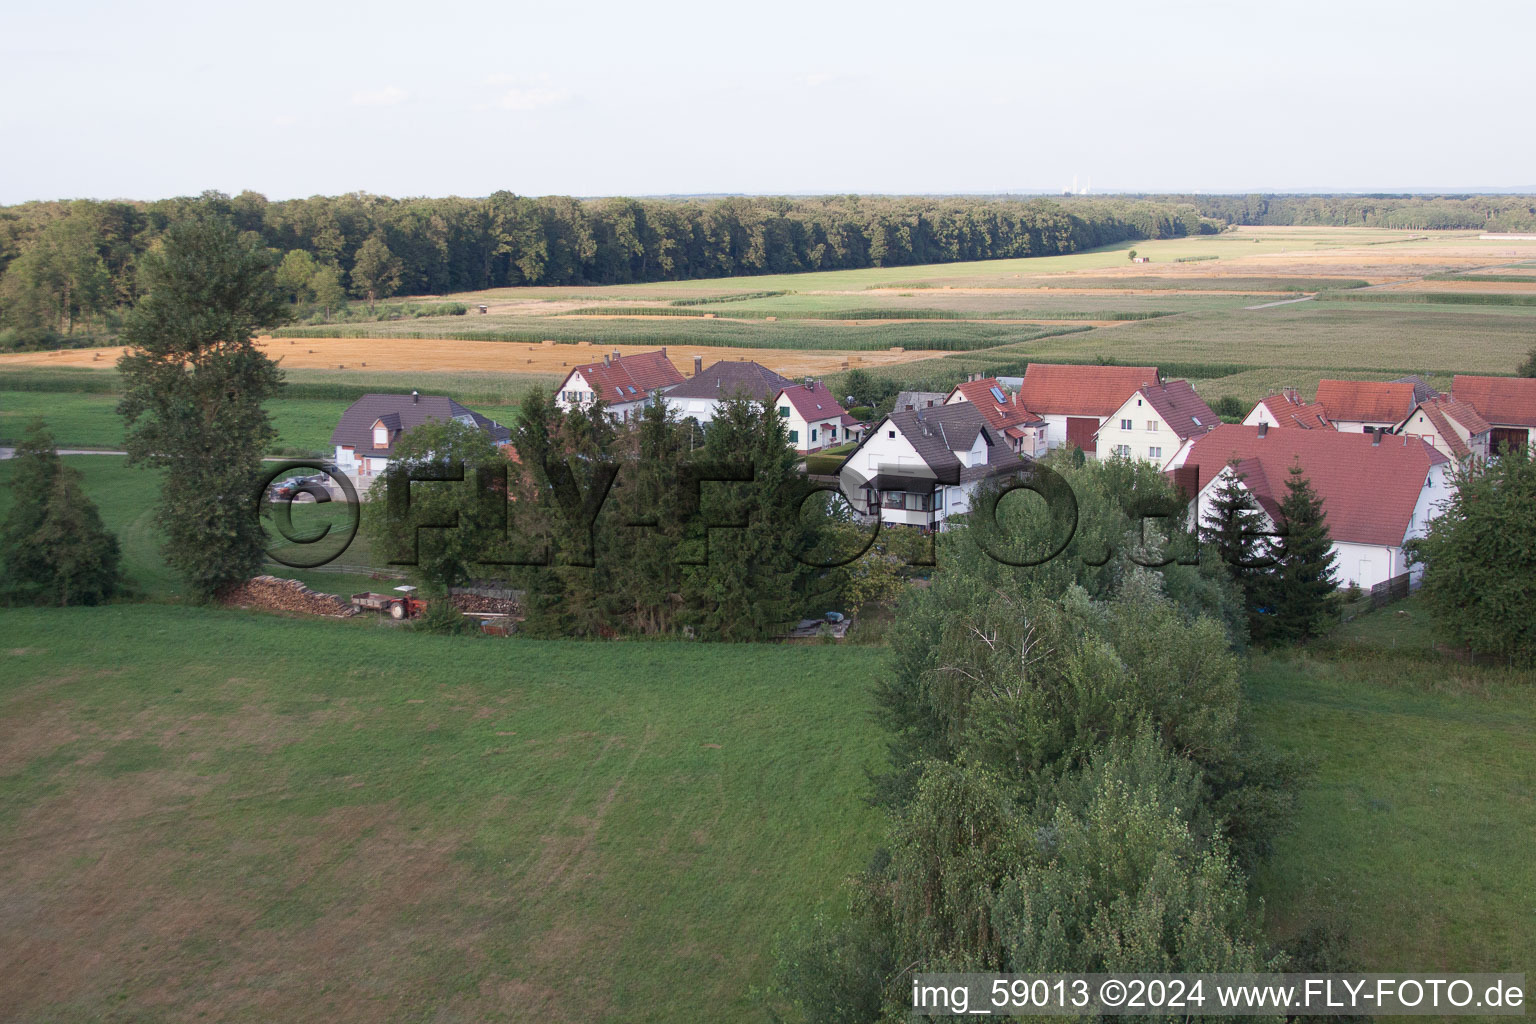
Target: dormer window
(380, 436)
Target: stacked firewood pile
(274, 594)
(482, 604)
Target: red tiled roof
(1443, 408)
(815, 403)
(1294, 413)
(1056, 389)
(1184, 411)
(1369, 491)
(629, 378)
(1502, 401)
(1002, 415)
(1366, 401)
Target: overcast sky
(147, 100)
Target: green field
(87, 420)
(206, 814)
(1416, 831)
(195, 802)
(126, 498)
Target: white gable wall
(1157, 446)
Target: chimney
(415, 397)
(1263, 429)
(615, 355)
(698, 365)
(606, 362)
(1376, 438)
(1292, 395)
(663, 351)
(810, 383)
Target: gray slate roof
(1422, 392)
(729, 376)
(940, 432)
(401, 414)
(910, 400)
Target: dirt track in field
(384, 354)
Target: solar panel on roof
(997, 393)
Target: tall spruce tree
(195, 384)
(752, 577)
(1304, 576)
(53, 547)
(1237, 530)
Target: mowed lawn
(85, 420)
(91, 420)
(213, 815)
(1417, 829)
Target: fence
(1387, 591)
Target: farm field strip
(433, 355)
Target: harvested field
(364, 354)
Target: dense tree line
(663, 529)
(1412, 212)
(65, 264)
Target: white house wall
(1139, 439)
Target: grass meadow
(205, 813)
(1415, 832)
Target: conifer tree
(53, 547)
(1304, 575)
(1236, 528)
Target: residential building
(622, 383)
(910, 401)
(1022, 430)
(1153, 423)
(1075, 401)
(922, 468)
(1379, 491)
(1454, 429)
(1286, 409)
(1356, 406)
(1508, 404)
(813, 418)
(699, 396)
(369, 429)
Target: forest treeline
(70, 265)
(1407, 212)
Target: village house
(624, 384)
(1155, 422)
(1287, 410)
(922, 468)
(1507, 404)
(1379, 490)
(1454, 429)
(699, 397)
(1023, 431)
(1074, 401)
(813, 418)
(368, 431)
(909, 401)
(1356, 406)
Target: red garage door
(1080, 431)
